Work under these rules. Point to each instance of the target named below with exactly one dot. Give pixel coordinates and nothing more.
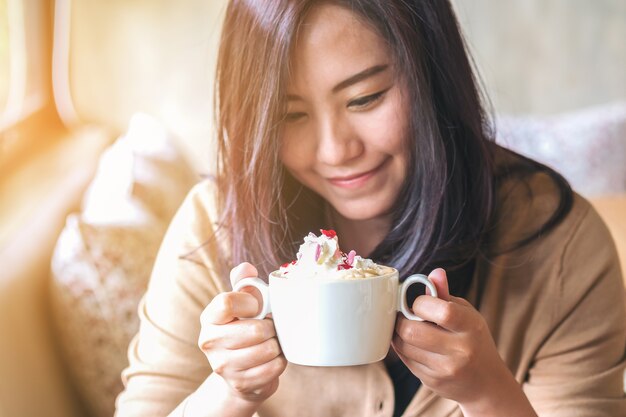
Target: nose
(338, 142)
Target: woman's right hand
(245, 353)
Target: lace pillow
(104, 256)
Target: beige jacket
(555, 308)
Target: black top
(405, 384)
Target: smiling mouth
(356, 180)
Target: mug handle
(402, 304)
(263, 288)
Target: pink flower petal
(351, 256)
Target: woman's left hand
(452, 352)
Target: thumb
(246, 270)
(241, 271)
(440, 280)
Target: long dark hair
(444, 211)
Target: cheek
(386, 130)
(292, 154)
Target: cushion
(612, 209)
(104, 256)
(587, 147)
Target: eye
(364, 102)
(293, 117)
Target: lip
(356, 180)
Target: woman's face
(344, 132)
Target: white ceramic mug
(335, 322)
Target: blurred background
(106, 122)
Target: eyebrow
(358, 77)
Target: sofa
(71, 279)
(102, 260)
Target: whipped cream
(321, 257)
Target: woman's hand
(453, 353)
(245, 353)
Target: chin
(362, 211)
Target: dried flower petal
(351, 256)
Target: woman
(364, 116)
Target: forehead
(333, 43)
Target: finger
(461, 301)
(236, 335)
(429, 377)
(416, 361)
(256, 378)
(440, 279)
(229, 363)
(449, 315)
(227, 306)
(241, 271)
(261, 394)
(246, 270)
(423, 335)
(421, 371)
(256, 355)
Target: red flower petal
(329, 233)
(286, 264)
